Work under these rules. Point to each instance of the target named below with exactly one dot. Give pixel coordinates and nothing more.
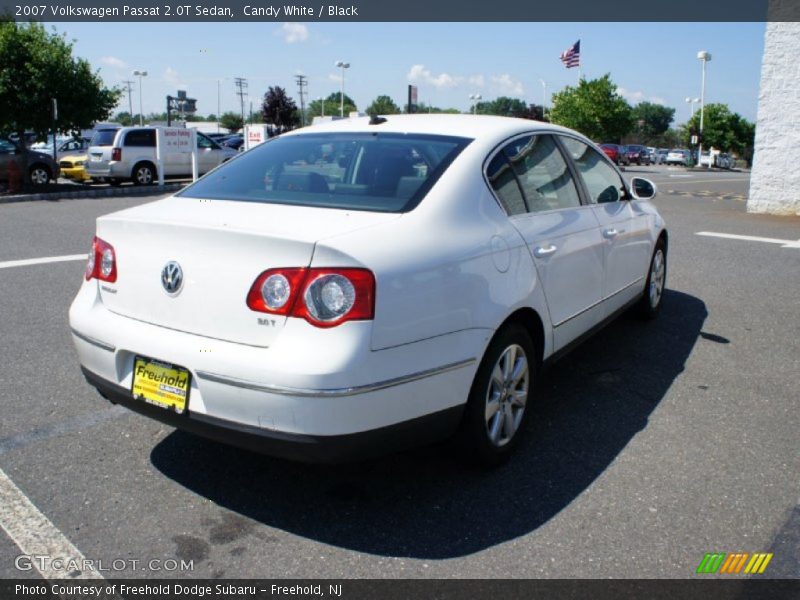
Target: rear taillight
(116, 154)
(323, 297)
(102, 263)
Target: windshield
(382, 172)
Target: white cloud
(113, 61)
(420, 74)
(476, 80)
(172, 76)
(293, 32)
(505, 84)
(638, 96)
(335, 77)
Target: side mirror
(643, 189)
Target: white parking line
(40, 261)
(36, 536)
(721, 180)
(752, 238)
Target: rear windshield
(382, 172)
(103, 137)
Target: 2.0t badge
(172, 277)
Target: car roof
(478, 127)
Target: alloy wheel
(507, 395)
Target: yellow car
(72, 168)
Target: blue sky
(447, 61)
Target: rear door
(623, 225)
(533, 181)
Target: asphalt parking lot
(651, 445)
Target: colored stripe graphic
(711, 562)
(758, 563)
(734, 563)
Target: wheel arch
(530, 320)
(144, 161)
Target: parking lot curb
(106, 192)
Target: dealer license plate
(160, 383)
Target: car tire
(40, 174)
(653, 296)
(499, 401)
(144, 173)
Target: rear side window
(141, 137)
(504, 183)
(382, 172)
(543, 173)
(103, 137)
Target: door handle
(610, 233)
(540, 252)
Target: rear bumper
(75, 174)
(305, 448)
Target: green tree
(280, 110)
(722, 129)
(125, 118)
(38, 67)
(383, 105)
(502, 106)
(594, 108)
(231, 121)
(331, 104)
(652, 120)
(427, 108)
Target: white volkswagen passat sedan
(367, 284)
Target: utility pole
(302, 83)
(241, 91)
(130, 99)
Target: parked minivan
(129, 154)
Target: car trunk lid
(221, 247)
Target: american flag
(572, 56)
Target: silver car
(129, 154)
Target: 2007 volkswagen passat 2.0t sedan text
(367, 284)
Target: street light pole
(704, 57)
(140, 74)
(544, 97)
(475, 98)
(342, 65)
(692, 102)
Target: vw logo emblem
(172, 277)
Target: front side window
(601, 179)
(205, 142)
(543, 173)
(383, 172)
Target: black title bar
(400, 10)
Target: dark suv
(41, 167)
(638, 154)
